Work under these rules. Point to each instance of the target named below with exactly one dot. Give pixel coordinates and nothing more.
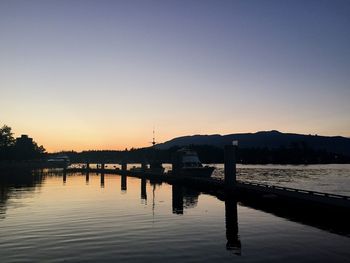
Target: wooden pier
(323, 210)
(216, 186)
(330, 212)
(231, 186)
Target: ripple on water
(76, 222)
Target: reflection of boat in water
(153, 168)
(186, 162)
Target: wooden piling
(230, 165)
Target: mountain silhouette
(265, 139)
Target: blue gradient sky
(100, 74)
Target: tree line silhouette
(296, 153)
(299, 152)
(22, 148)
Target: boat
(186, 163)
(60, 161)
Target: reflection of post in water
(143, 189)
(102, 182)
(178, 201)
(123, 187)
(87, 177)
(231, 217)
(64, 177)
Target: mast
(154, 139)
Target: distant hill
(265, 139)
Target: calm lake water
(330, 178)
(45, 217)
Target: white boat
(58, 161)
(186, 163)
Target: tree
(22, 148)
(27, 149)
(6, 137)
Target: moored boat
(186, 163)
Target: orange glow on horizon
(120, 140)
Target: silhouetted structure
(230, 165)
(19, 149)
(26, 149)
(295, 153)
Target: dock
(218, 186)
(323, 210)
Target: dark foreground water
(50, 218)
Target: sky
(79, 75)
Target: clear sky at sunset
(100, 74)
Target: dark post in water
(124, 165)
(230, 164)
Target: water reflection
(183, 197)
(13, 181)
(64, 178)
(177, 199)
(231, 219)
(133, 221)
(124, 183)
(87, 178)
(143, 189)
(102, 180)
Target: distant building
(24, 142)
(24, 148)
